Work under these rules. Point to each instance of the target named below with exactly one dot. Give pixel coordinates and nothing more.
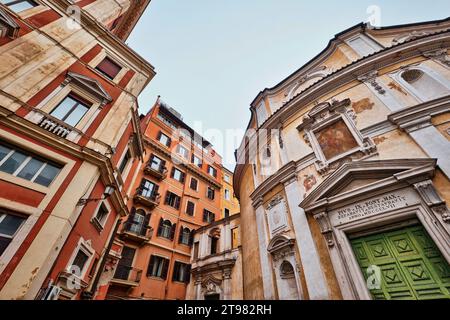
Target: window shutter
(169, 142)
(183, 177)
(188, 272)
(213, 217)
(176, 271)
(172, 231)
(191, 238)
(158, 137)
(180, 236)
(205, 215)
(165, 268)
(160, 227)
(146, 225)
(166, 201)
(150, 266)
(172, 173)
(177, 202)
(155, 190)
(163, 164)
(132, 214)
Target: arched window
(166, 229)
(185, 236)
(424, 84)
(138, 222)
(214, 242)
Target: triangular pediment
(6, 19)
(90, 85)
(360, 175)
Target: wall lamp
(109, 190)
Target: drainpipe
(89, 295)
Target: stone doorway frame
(411, 177)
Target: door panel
(412, 267)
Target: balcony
(136, 232)
(55, 126)
(159, 172)
(151, 200)
(127, 276)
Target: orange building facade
(70, 142)
(176, 191)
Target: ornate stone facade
(363, 170)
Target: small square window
(212, 171)
(164, 139)
(194, 184)
(211, 193)
(19, 5)
(190, 208)
(109, 68)
(102, 214)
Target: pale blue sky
(214, 56)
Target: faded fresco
(336, 139)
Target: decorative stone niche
(330, 130)
(277, 216)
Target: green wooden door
(412, 267)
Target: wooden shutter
(172, 172)
(213, 217)
(188, 271)
(176, 271)
(180, 236)
(166, 201)
(183, 177)
(161, 221)
(158, 137)
(150, 266)
(191, 238)
(172, 231)
(169, 142)
(131, 215)
(205, 215)
(146, 225)
(165, 268)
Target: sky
(213, 57)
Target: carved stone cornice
(371, 79)
(440, 55)
(431, 197)
(286, 175)
(419, 116)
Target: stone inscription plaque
(371, 207)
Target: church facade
(343, 175)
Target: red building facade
(177, 191)
(70, 142)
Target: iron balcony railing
(138, 229)
(129, 274)
(159, 172)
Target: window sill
(156, 278)
(24, 183)
(97, 225)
